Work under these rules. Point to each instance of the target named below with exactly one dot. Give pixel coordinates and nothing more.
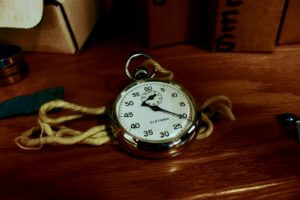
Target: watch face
(155, 111)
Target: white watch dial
(155, 111)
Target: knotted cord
(52, 130)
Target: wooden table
(251, 158)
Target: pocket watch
(152, 117)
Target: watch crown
(141, 73)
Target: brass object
(13, 66)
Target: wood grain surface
(251, 158)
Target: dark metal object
(13, 66)
(141, 73)
(291, 123)
(298, 131)
(10, 55)
(287, 119)
(13, 69)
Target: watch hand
(156, 108)
(151, 97)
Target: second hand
(156, 108)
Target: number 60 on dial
(154, 118)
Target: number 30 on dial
(154, 118)
(155, 111)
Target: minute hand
(156, 108)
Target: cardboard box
(169, 21)
(242, 25)
(290, 29)
(64, 27)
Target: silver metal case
(150, 149)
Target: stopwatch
(154, 118)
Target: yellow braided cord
(207, 129)
(66, 105)
(152, 63)
(52, 132)
(218, 106)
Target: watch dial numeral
(135, 94)
(130, 114)
(174, 95)
(164, 134)
(129, 103)
(148, 132)
(177, 126)
(155, 111)
(182, 115)
(135, 125)
(148, 88)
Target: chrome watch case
(148, 149)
